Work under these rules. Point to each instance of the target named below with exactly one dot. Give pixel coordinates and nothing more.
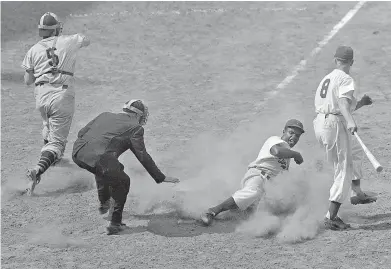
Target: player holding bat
(335, 101)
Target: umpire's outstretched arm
(138, 148)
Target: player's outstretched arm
(286, 153)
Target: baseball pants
(358, 156)
(56, 104)
(111, 181)
(331, 132)
(253, 187)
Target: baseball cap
(295, 123)
(344, 53)
(49, 21)
(129, 106)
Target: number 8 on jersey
(325, 87)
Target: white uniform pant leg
(333, 135)
(358, 157)
(252, 190)
(57, 107)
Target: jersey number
(325, 87)
(54, 61)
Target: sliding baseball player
(273, 159)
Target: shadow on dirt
(173, 225)
(376, 227)
(377, 216)
(77, 188)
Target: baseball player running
(335, 100)
(97, 148)
(273, 158)
(50, 65)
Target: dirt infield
(203, 68)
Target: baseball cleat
(335, 224)
(115, 228)
(32, 181)
(365, 199)
(207, 218)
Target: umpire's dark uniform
(97, 148)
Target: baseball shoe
(364, 199)
(32, 181)
(207, 217)
(115, 228)
(335, 224)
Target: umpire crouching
(98, 146)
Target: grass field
(206, 71)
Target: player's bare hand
(366, 100)
(298, 158)
(352, 127)
(171, 180)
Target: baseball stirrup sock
(46, 160)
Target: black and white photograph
(195, 134)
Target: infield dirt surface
(204, 69)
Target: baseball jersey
(66, 48)
(333, 86)
(268, 162)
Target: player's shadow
(133, 230)
(377, 217)
(78, 188)
(173, 225)
(375, 227)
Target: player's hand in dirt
(298, 158)
(352, 127)
(366, 100)
(171, 180)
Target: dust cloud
(294, 204)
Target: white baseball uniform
(331, 130)
(54, 93)
(259, 171)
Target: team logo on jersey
(284, 164)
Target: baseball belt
(44, 82)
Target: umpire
(98, 146)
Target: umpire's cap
(295, 123)
(344, 53)
(48, 22)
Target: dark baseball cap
(49, 21)
(295, 123)
(344, 53)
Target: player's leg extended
(33, 176)
(60, 120)
(249, 194)
(357, 195)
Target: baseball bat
(370, 156)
